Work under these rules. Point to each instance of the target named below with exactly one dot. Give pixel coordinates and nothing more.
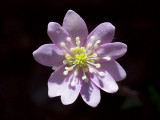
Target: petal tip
(125, 47)
(108, 24)
(95, 105)
(124, 75)
(65, 102)
(52, 25)
(114, 89)
(50, 94)
(70, 12)
(34, 53)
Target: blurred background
(23, 83)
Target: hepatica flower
(83, 63)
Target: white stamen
(62, 44)
(91, 70)
(98, 41)
(92, 38)
(97, 58)
(101, 73)
(82, 49)
(107, 58)
(68, 39)
(84, 77)
(93, 58)
(78, 41)
(64, 62)
(69, 68)
(95, 46)
(76, 73)
(89, 52)
(54, 67)
(65, 72)
(72, 50)
(77, 38)
(89, 45)
(66, 68)
(98, 65)
(73, 83)
(92, 63)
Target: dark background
(23, 82)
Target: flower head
(83, 63)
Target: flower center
(81, 58)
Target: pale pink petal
(90, 93)
(56, 82)
(106, 83)
(49, 55)
(104, 32)
(70, 93)
(75, 26)
(58, 34)
(115, 70)
(114, 50)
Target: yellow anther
(82, 49)
(94, 55)
(68, 56)
(76, 49)
(72, 50)
(85, 69)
